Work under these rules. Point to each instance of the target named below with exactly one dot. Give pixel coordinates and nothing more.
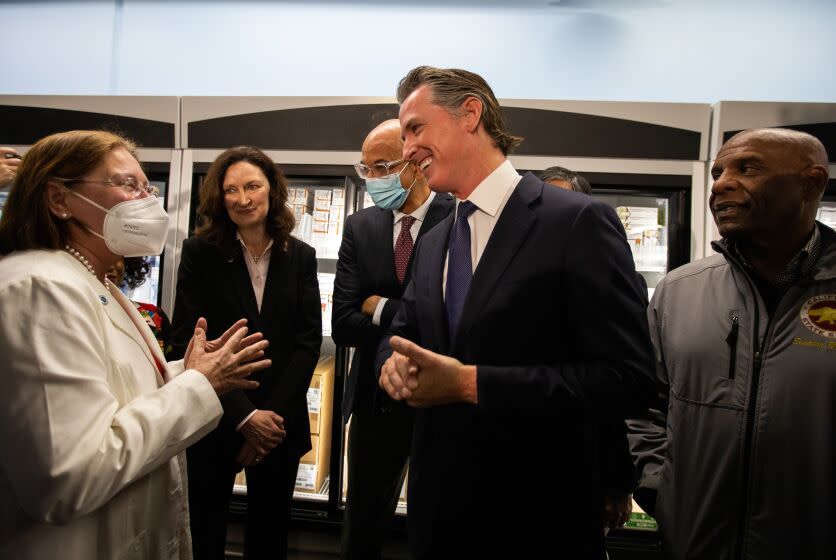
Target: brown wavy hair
(27, 222)
(450, 88)
(215, 224)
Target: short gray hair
(450, 88)
(578, 181)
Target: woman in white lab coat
(94, 421)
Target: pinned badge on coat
(103, 299)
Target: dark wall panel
(341, 127)
(26, 125)
(344, 127)
(576, 134)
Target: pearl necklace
(83, 260)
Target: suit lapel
(276, 279)
(114, 305)
(436, 250)
(438, 210)
(384, 221)
(242, 289)
(508, 234)
(151, 348)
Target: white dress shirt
(490, 197)
(258, 277)
(257, 267)
(419, 214)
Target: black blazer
(555, 322)
(215, 284)
(366, 267)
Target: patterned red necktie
(403, 247)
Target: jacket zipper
(750, 416)
(731, 339)
(750, 424)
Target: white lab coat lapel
(152, 346)
(124, 316)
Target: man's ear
(56, 199)
(815, 181)
(471, 113)
(417, 172)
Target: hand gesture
(227, 360)
(424, 378)
(8, 167)
(263, 431)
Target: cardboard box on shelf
(321, 396)
(315, 465)
(241, 479)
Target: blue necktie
(459, 267)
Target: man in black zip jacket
(738, 459)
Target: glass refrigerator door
(655, 229)
(319, 207)
(149, 291)
(645, 222)
(827, 213)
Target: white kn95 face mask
(134, 228)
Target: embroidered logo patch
(819, 315)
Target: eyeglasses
(128, 184)
(377, 169)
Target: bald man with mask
(372, 271)
(738, 460)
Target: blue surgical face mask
(388, 192)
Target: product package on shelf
(298, 200)
(640, 520)
(314, 467)
(241, 479)
(326, 296)
(327, 219)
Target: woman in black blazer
(242, 262)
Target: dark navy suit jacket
(555, 322)
(366, 267)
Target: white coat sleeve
(68, 446)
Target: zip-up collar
(819, 265)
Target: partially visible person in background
(243, 261)
(565, 179)
(94, 420)
(9, 161)
(618, 473)
(129, 274)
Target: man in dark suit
(372, 271)
(521, 334)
